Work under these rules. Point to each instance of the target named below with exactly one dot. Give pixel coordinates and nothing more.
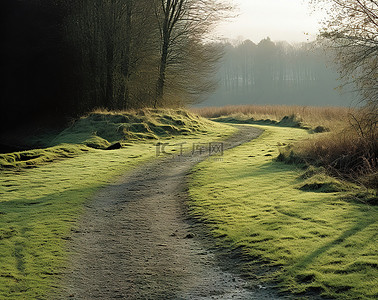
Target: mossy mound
(100, 129)
(291, 121)
(320, 129)
(325, 184)
(316, 179)
(32, 158)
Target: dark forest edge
(63, 59)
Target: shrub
(351, 153)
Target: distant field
(330, 117)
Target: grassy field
(43, 193)
(309, 228)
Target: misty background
(277, 73)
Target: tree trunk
(109, 75)
(126, 70)
(161, 79)
(163, 59)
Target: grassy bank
(102, 129)
(317, 238)
(40, 202)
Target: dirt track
(135, 241)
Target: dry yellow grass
(330, 117)
(350, 153)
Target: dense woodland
(63, 58)
(277, 73)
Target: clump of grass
(318, 180)
(311, 116)
(324, 183)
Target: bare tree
(183, 25)
(352, 32)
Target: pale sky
(279, 19)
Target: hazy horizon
(290, 20)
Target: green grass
(33, 158)
(309, 231)
(39, 206)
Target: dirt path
(135, 241)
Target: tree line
(277, 73)
(63, 58)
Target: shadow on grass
(270, 167)
(32, 241)
(303, 263)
